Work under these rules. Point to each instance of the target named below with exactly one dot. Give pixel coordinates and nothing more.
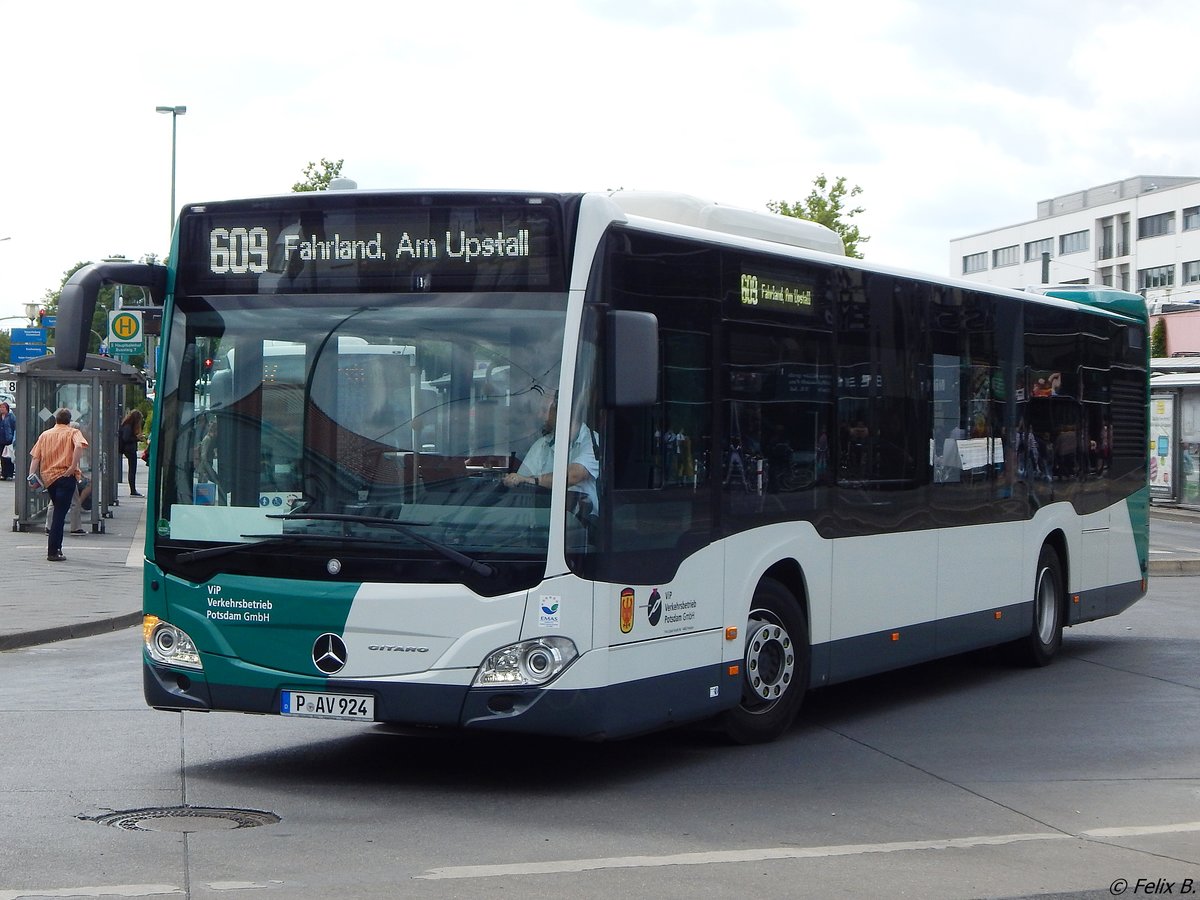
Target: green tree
(1158, 338)
(826, 205)
(318, 175)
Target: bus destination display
(240, 250)
(768, 292)
(371, 248)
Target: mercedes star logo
(329, 653)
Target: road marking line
(554, 867)
(116, 890)
(1138, 830)
(728, 856)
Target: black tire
(775, 667)
(1049, 595)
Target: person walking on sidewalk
(131, 434)
(8, 437)
(55, 460)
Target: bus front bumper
(613, 711)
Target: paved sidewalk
(99, 587)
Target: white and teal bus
(802, 468)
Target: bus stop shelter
(97, 399)
(1175, 439)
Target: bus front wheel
(775, 667)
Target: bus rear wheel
(1045, 637)
(775, 667)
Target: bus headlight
(169, 645)
(527, 664)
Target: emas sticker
(548, 612)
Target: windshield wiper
(224, 549)
(255, 541)
(471, 565)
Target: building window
(1005, 256)
(1191, 272)
(1035, 249)
(1075, 242)
(1158, 277)
(976, 262)
(1153, 226)
(1191, 218)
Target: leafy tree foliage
(1158, 338)
(826, 205)
(318, 175)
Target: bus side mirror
(77, 304)
(632, 357)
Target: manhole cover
(185, 819)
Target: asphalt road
(1174, 538)
(963, 778)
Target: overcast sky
(953, 116)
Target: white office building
(1140, 234)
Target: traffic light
(41, 317)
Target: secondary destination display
(768, 292)
(383, 244)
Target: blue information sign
(29, 336)
(19, 353)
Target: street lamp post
(175, 112)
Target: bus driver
(582, 467)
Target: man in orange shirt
(55, 459)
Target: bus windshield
(382, 425)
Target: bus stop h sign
(125, 332)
